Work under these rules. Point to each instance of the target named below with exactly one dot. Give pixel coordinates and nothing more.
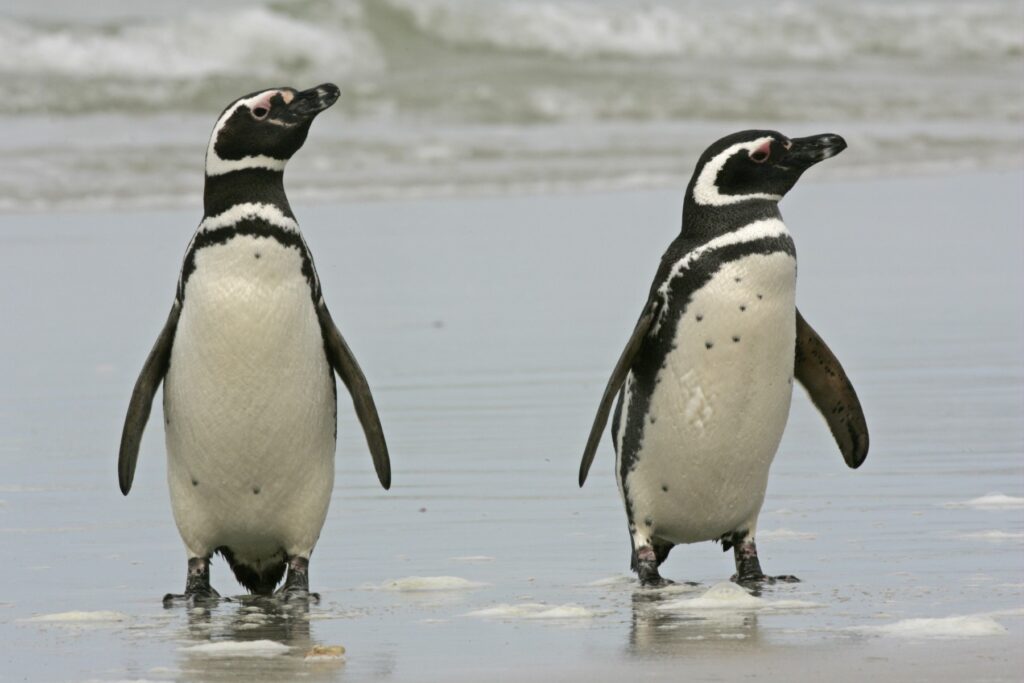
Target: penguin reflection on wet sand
(705, 381)
(247, 358)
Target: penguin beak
(309, 103)
(808, 151)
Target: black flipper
(149, 380)
(819, 371)
(643, 326)
(344, 363)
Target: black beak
(309, 103)
(810, 150)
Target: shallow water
(487, 329)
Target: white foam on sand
(995, 536)
(626, 581)
(785, 535)
(239, 648)
(534, 610)
(417, 584)
(730, 597)
(81, 618)
(990, 501)
(945, 628)
(617, 580)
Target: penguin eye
(786, 144)
(260, 113)
(760, 154)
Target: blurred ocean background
(109, 103)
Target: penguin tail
(258, 580)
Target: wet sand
(487, 328)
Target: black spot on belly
(648, 521)
(699, 317)
(195, 482)
(653, 419)
(759, 296)
(664, 487)
(256, 490)
(738, 279)
(257, 254)
(708, 345)
(735, 338)
(743, 308)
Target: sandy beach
(487, 328)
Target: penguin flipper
(344, 363)
(622, 367)
(153, 371)
(817, 368)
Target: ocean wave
(379, 50)
(254, 41)
(443, 97)
(789, 31)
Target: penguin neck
(249, 185)
(703, 222)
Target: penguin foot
(748, 567)
(296, 583)
(198, 590)
(647, 569)
(196, 599)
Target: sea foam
(990, 501)
(970, 626)
(239, 648)
(534, 610)
(731, 597)
(416, 584)
(98, 617)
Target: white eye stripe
(215, 165)
(705, 189)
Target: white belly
(250, 406)
(717, 414)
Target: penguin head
(757, 164)
(264, 129)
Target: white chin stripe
(217, 166)
(239, 212)
(705, 190)
(769, 227)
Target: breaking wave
(373, 47)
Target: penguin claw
(205, 598)
(297, 595)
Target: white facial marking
(217, 166)
(769, 227)
(705, 190)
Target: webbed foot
(296, 583)
(198, 590)
(647, 569)
(748, 567)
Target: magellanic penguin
(247, 358)
(705, 381)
